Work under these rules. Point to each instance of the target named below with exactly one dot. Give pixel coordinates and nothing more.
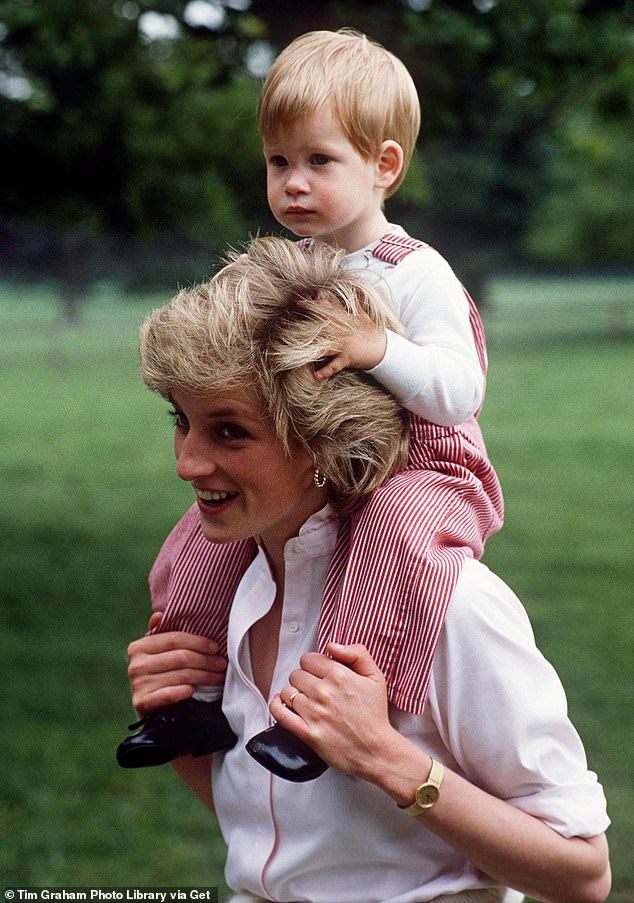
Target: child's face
(319, 185)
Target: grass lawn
(88, 493)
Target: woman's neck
(273, 542)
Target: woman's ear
(389, 164)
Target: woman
(492, 770)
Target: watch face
(427, 795)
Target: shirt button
(293, 626)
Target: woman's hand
(165, 667)
(338, 706)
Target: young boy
(339, 118)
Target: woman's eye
(231, 432)
(178, 418)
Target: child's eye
(319, 159)
(180, 421)
(278, 160)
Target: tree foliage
(587, 217)
(121, 132)
(136, 118)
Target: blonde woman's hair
(262, 326)
(367, 88)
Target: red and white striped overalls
(396, 561)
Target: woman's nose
(193, 458)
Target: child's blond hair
(367, 88)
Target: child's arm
(434, 372)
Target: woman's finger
(355, 657)
(147, 700)
(155, 643)
(197, 669)
(155, 620)
(289, 718)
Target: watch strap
(434, 781)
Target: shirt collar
(317, 535)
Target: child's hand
(363, 350)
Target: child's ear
(389, 164)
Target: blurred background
(130, 160)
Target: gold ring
(290, 700)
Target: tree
(135, 118)
(109, 131)
(587, 218)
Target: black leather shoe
(191, 727)
(285, 755)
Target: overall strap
(393, 247)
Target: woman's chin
(215, 531)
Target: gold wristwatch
(427, 794)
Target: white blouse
(496, 714)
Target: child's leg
(192, 583)
(407, 547)
(403, 553)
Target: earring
(319, 479)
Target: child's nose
(296, 181)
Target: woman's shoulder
(485, 620)
(487, 658)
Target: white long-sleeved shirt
(496, 714)
(434, 371)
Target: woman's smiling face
(246, 484)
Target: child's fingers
(334, 365)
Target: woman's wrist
(399, 769)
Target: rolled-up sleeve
(501, 710)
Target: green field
(88, 492)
